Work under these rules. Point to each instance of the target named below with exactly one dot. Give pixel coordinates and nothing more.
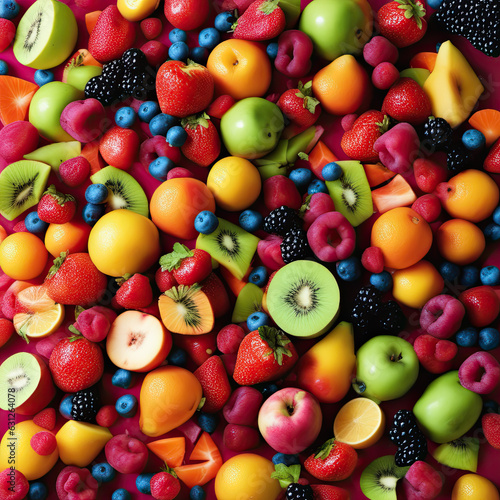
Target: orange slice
(396, 193)
(170, 450)
(424, 60)
(15, 98)
(319, 157)
(487, 121)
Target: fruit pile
(249, 249)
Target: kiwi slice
(461, 453)
(248, 301)
(379, 480)
(21, 186)
(303, 298)
(231, 246)
(56, 153)
(124, 190)
(351, 192)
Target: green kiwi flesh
(56, 153)
(379, 480)
(248, 301)
(231, 246)
(351, 193)
(21, 186)
(303, 298)
(461, 453)
(124, 190)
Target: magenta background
(489, 70)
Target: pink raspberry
(480, 372)
(151, 27)
(428, 206)
(156, 52)
(435, 355)
(74, 483)
(13, 485)
(385, 75)
(379, 50)
(106, 416)
(7, 33)
(229, 338)
(43, 443)
(75, 171)
(46, 419)
(422, 482)
(372, 259)
(442, 316)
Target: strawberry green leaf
(173, 259)
(303, 156)
(269, 6)
(286, 475)
(412, 10)
(384, 125)
(277, 341)
(78, 311)
(305, 206)
(325, 449)
(57, 263)
(193, 121)
(74, 330)
(168, 470)
(59, 197)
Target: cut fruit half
(379, 480)
(319, 157)
(170, 450)
(396, 193)
(461, 453)
(248, 301)
(15, 98)
(424, 60)
(487, 121)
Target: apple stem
(399, 358)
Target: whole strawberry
(262, 20)
(492, 161)
(119, 147)
(73, 279)
(299, 105)
(357, 143)
(491, 429)
(134, 292)
(213, 378)
(402, 22)
(202, 145)
(263, 355)
(334, 461)
(55, 207)
(165, 485)
(183, 89)
(188, 266)
(76, 364)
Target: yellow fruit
(246, 477)
(474, 487)
(16, 451)
(360, 423)
(136, 10)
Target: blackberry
(281, 220)
(391, 318)
(410, 453)
(294, 246)
(437, 133)
(104, 89)
(458, 159)
(404, 422)
(365, 310)
(134, 59)
(85, 405)
(139, 84)
(412, 445)
(114, 70)
(297, 491)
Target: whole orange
(460, 241)
(71, 236)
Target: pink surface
(489, 70)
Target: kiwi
(56, 153)
(248, 301)
(231, 246)
(351, 193)
(124, 190)
(461, 453)
(21, 186)
(303, 298)
(379, 480)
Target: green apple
(418, 74)
(447, 410)
(78, 76)
(46, 108)
(337, 27)
(252, 127)
(386, 368)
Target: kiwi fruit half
(56, 153)
(351, 192)
(21, 186)
(231, 246)
(303, 298)
(379, 480)
(248, 301)
(124, 190)
(461, 453)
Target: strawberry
(431, 171)
(55, 207)
(112, 35)
(334, 461)
(406, 101)
(183, 89)
(134, 292)
(358, 142)
(492, 161)
(299, 106)
(220, 105)
(213, 379)
(76, 364)
(198, 347)
(491, 429)
(73, 279)
(187, 14)
(262, 20)
(46, 419)
(202, 145)
(7, 327)
(188, 266)
(165, 485)
(329, 492)
(217, 294)
(402, 22)
(7, 33)
(164, 280)
(481, 304)
(119, 147)
(265, 354)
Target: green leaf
(174, 259)
(268, 7)
(57, 263)
(59, 197)
(325, 449)
(277, 341)
(286, 474)
(74, 330)
(303, 156)
(78, 311)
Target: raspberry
(43, 443)
(151, 27)
(75, 171)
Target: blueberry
(490, 275)
(4, 68)
(121, 494)
(148, 110)
(257, 319)
(9, 9)
(317, 186)
(65, 406)
(283, 458)
(349, 269)
(177, 35)
(160, 167)
(122, 378)
(43, 76)
(176, 136)
(34, 224)
(381, 281)
(492, 232)
(178, 51)
(125, 117)
(126, 406)
(198, 54)
(96, 194)
(331, 171)
(469, 276)
(103, 472)
(301, 177)
(38, 491)
(473, 139)
(92, 213)
(268, 389)
(143, 483)
(177, 356)
(160, 124)
(258, 276)
(206, 222)
(208, 38)
(449, 271)
(272, 50)
(208, 421)
(467, 337)
(489, 338)
(496, 215)
(224, 21)
(435, 4)
(251, 220)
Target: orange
(15, 98)
(403, 236)
(235, 183)
(71, 236)
(424, 60)
(3, 234)
(170, 450)
(487, 121)
(240, 68)
(23, 256)
(342, 86)
(474, 487)
(416, 284)
(176, 203)
(460, 241)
